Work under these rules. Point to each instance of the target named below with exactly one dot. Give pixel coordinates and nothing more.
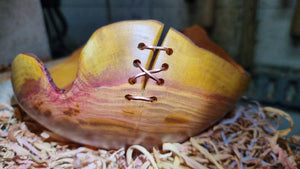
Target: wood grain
(200, 88)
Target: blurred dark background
(261, 35)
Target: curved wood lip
(47, 73)
(69, 88)
(229, 60)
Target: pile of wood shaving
(248, 138)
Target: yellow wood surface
(65, 73)
(193, 68)
(27, 68)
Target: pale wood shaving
(246, 140)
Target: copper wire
(137, 63)
(142, 46)
(148, 73)
(148, 99)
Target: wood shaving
(247, 139)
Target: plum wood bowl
(121, 89)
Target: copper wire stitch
(148, 73)
(137, 63)
(142, 46)
(148, 99)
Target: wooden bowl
(120, 89)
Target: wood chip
(248, 139)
